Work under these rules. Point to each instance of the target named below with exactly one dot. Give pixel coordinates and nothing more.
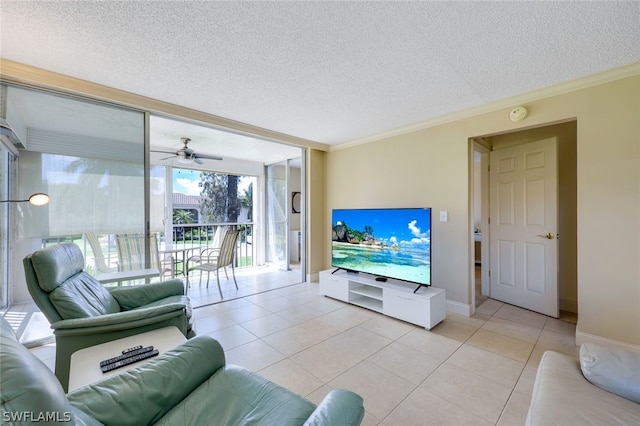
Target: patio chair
(131, 254)
(216, 242)
(82, 312)
(98, 254)
(214, 259)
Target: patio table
(182, 251)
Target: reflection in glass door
(277, 220)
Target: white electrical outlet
(443, 216)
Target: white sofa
(562, 395)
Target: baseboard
(569, 305)
(582, 337)
(458, 308)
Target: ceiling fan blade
(208, 157)
(164, 152)
(197, 160)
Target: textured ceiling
(330, 72)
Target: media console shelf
(426, 307)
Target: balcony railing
(184, 236)
(205, 235)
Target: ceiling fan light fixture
(185, 160)
(185, 155)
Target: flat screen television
(388, 243)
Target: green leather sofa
(83, 312)
(190, 385)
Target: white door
(523, 226)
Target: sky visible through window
(186, 181)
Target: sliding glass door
(277, 219)
(285, 215)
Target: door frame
(568, 285)
(482, 146)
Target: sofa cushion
(143, 394)
(235, 396)
(54, 265)
(613, 369)
(562, 396)
(82, 296)
(29, 388)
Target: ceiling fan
(187, 155)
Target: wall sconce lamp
(37, 199)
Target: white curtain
(277, 214)
(88, 156)
(87, 195)
(157, 189)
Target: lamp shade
(37, 199)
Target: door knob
(548, 236)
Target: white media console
(426, 307)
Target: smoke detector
(518, 113)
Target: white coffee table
(85, 363)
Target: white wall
(427, 168)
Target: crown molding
(536, 95)
(15, 72)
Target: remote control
(131, 349)
(130, 354)
(126, 361)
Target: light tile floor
(465, 371)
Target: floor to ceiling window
(89, 158)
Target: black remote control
(131, 349)
(126, 361)
(129, 354)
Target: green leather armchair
(83, 312)
(190, 385)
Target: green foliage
(245, 232)
(182, 217)
(196, 234)
(246, 200)
(359, 235)
(219, 199)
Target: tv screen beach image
(394, 243)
